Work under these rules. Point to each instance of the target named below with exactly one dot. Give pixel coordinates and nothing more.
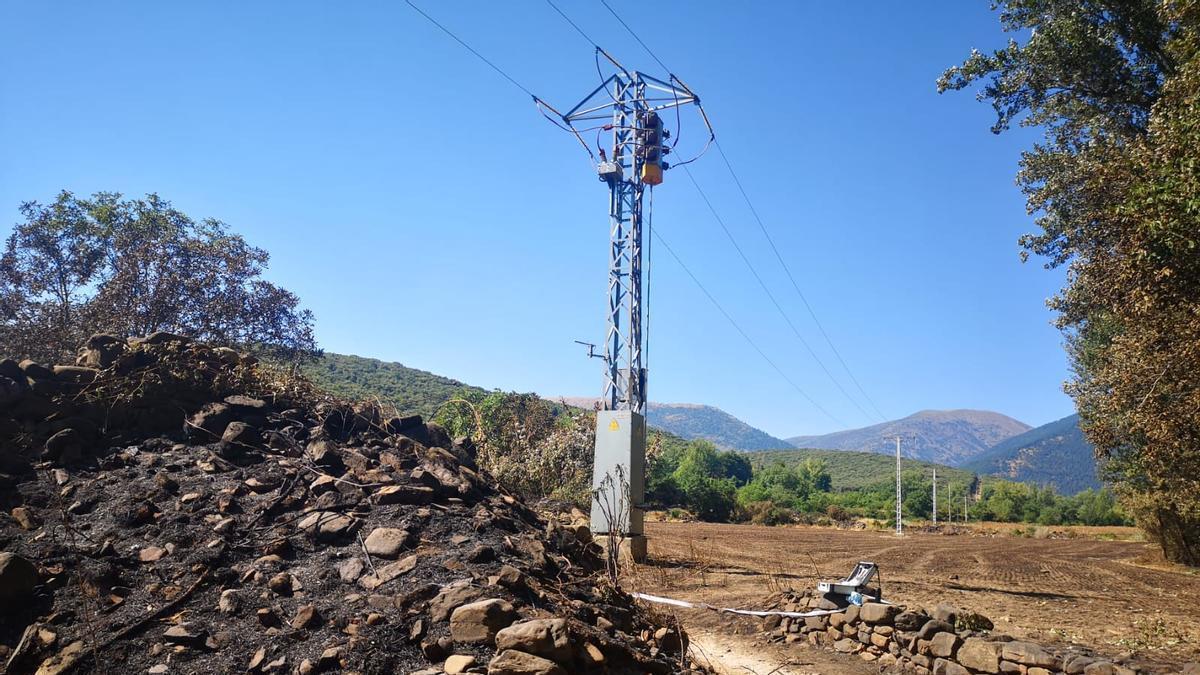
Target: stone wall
(945, 641)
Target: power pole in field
(899, 512)
(628, 104)
(935, 495)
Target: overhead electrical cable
(770, 295)
(787, 269)
(743, 333)
(771, 241)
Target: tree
(133, 267)
(1114, 187)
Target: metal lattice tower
(899, 503)
(935, 495)
(628, 99)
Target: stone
(973, 621)
(25, 518)
(1107, 668)
(351, 570)
(910, 621)
(946, 613)
(879, 640)
(210, 421)
(847, 645)
(512, 662)
(876, 612)
(944, 644)
(327, 525)
(451, 597)
(593, 654)
(480, 621)
(852, 613)
(542, 637)
(75, 374)
(944, 667)
(1029, 654)
(240, 433)
(388, 573)
(64, 447)
(388, 542)
(63, 661)
(229, 602)
(404, 494)
(934, 627)
(1037, 670)
(325, 455)
(458, 663)
(281, 583)
(306, 617)
(330, 658)
(18, 577)
(185, 634)
(152, 554)
(980, 654)
(1074, 664)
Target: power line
(770, 295)
(635, 35)
(573, 24)
(787, 269)
(469, 48)
(743, 333)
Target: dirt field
(1081, 591)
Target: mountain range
(949, 437)
(976, 440)
(1053, 454)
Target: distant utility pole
(899, 523)
(935, 495)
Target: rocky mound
(945, 640)
(172, 508)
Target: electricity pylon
(627, 104)
(899, 511)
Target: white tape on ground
(745, 612)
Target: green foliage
(132, 267)
(1115, 188)
(853, 470)
(410, 390)
(694, 475)
(530, 446)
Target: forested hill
(1053, 454)
(409, 389)
(951, 437)
(850, 470)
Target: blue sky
(426, 213)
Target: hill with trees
(1054, 454)
(408, 389)
(849, 470)
(950, 437)
(694, 421)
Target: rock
(75, 374)
(945, 667)
(229, 602)
(973, 621)
(450, 598)
(35, 371)
(847, 645)
(330, 658)
(458, 663)
(480, 621)
(64, 447)
(388, 572)
(281, 583)
(351, 570)
(947, 613)
(944, 644)
(25, 518)
(11, 389)
(388, 542)
(1107, 668)
(18, 577)
(327, 525)
(934, 627)
(512, 662)
(160, 337)
(1074, 665)
(404, 494)
(876, 612)
(306, 617)
(240, 433)
(325, 455)
(909, 621)
(185, 634)
(210, 421)
(1029, 654)
(541, 637)
(101, 351)
(980, 655)
(63, 661)
(267, 617)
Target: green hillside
(855, 470)
(409, 389)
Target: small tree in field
(133, 267)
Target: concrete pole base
(631, 549)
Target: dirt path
(744, 655)
(1055, 591)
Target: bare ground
(1055, 591)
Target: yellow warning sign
(613, 426)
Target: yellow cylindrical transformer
(652, 174)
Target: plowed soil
(1055, 591)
